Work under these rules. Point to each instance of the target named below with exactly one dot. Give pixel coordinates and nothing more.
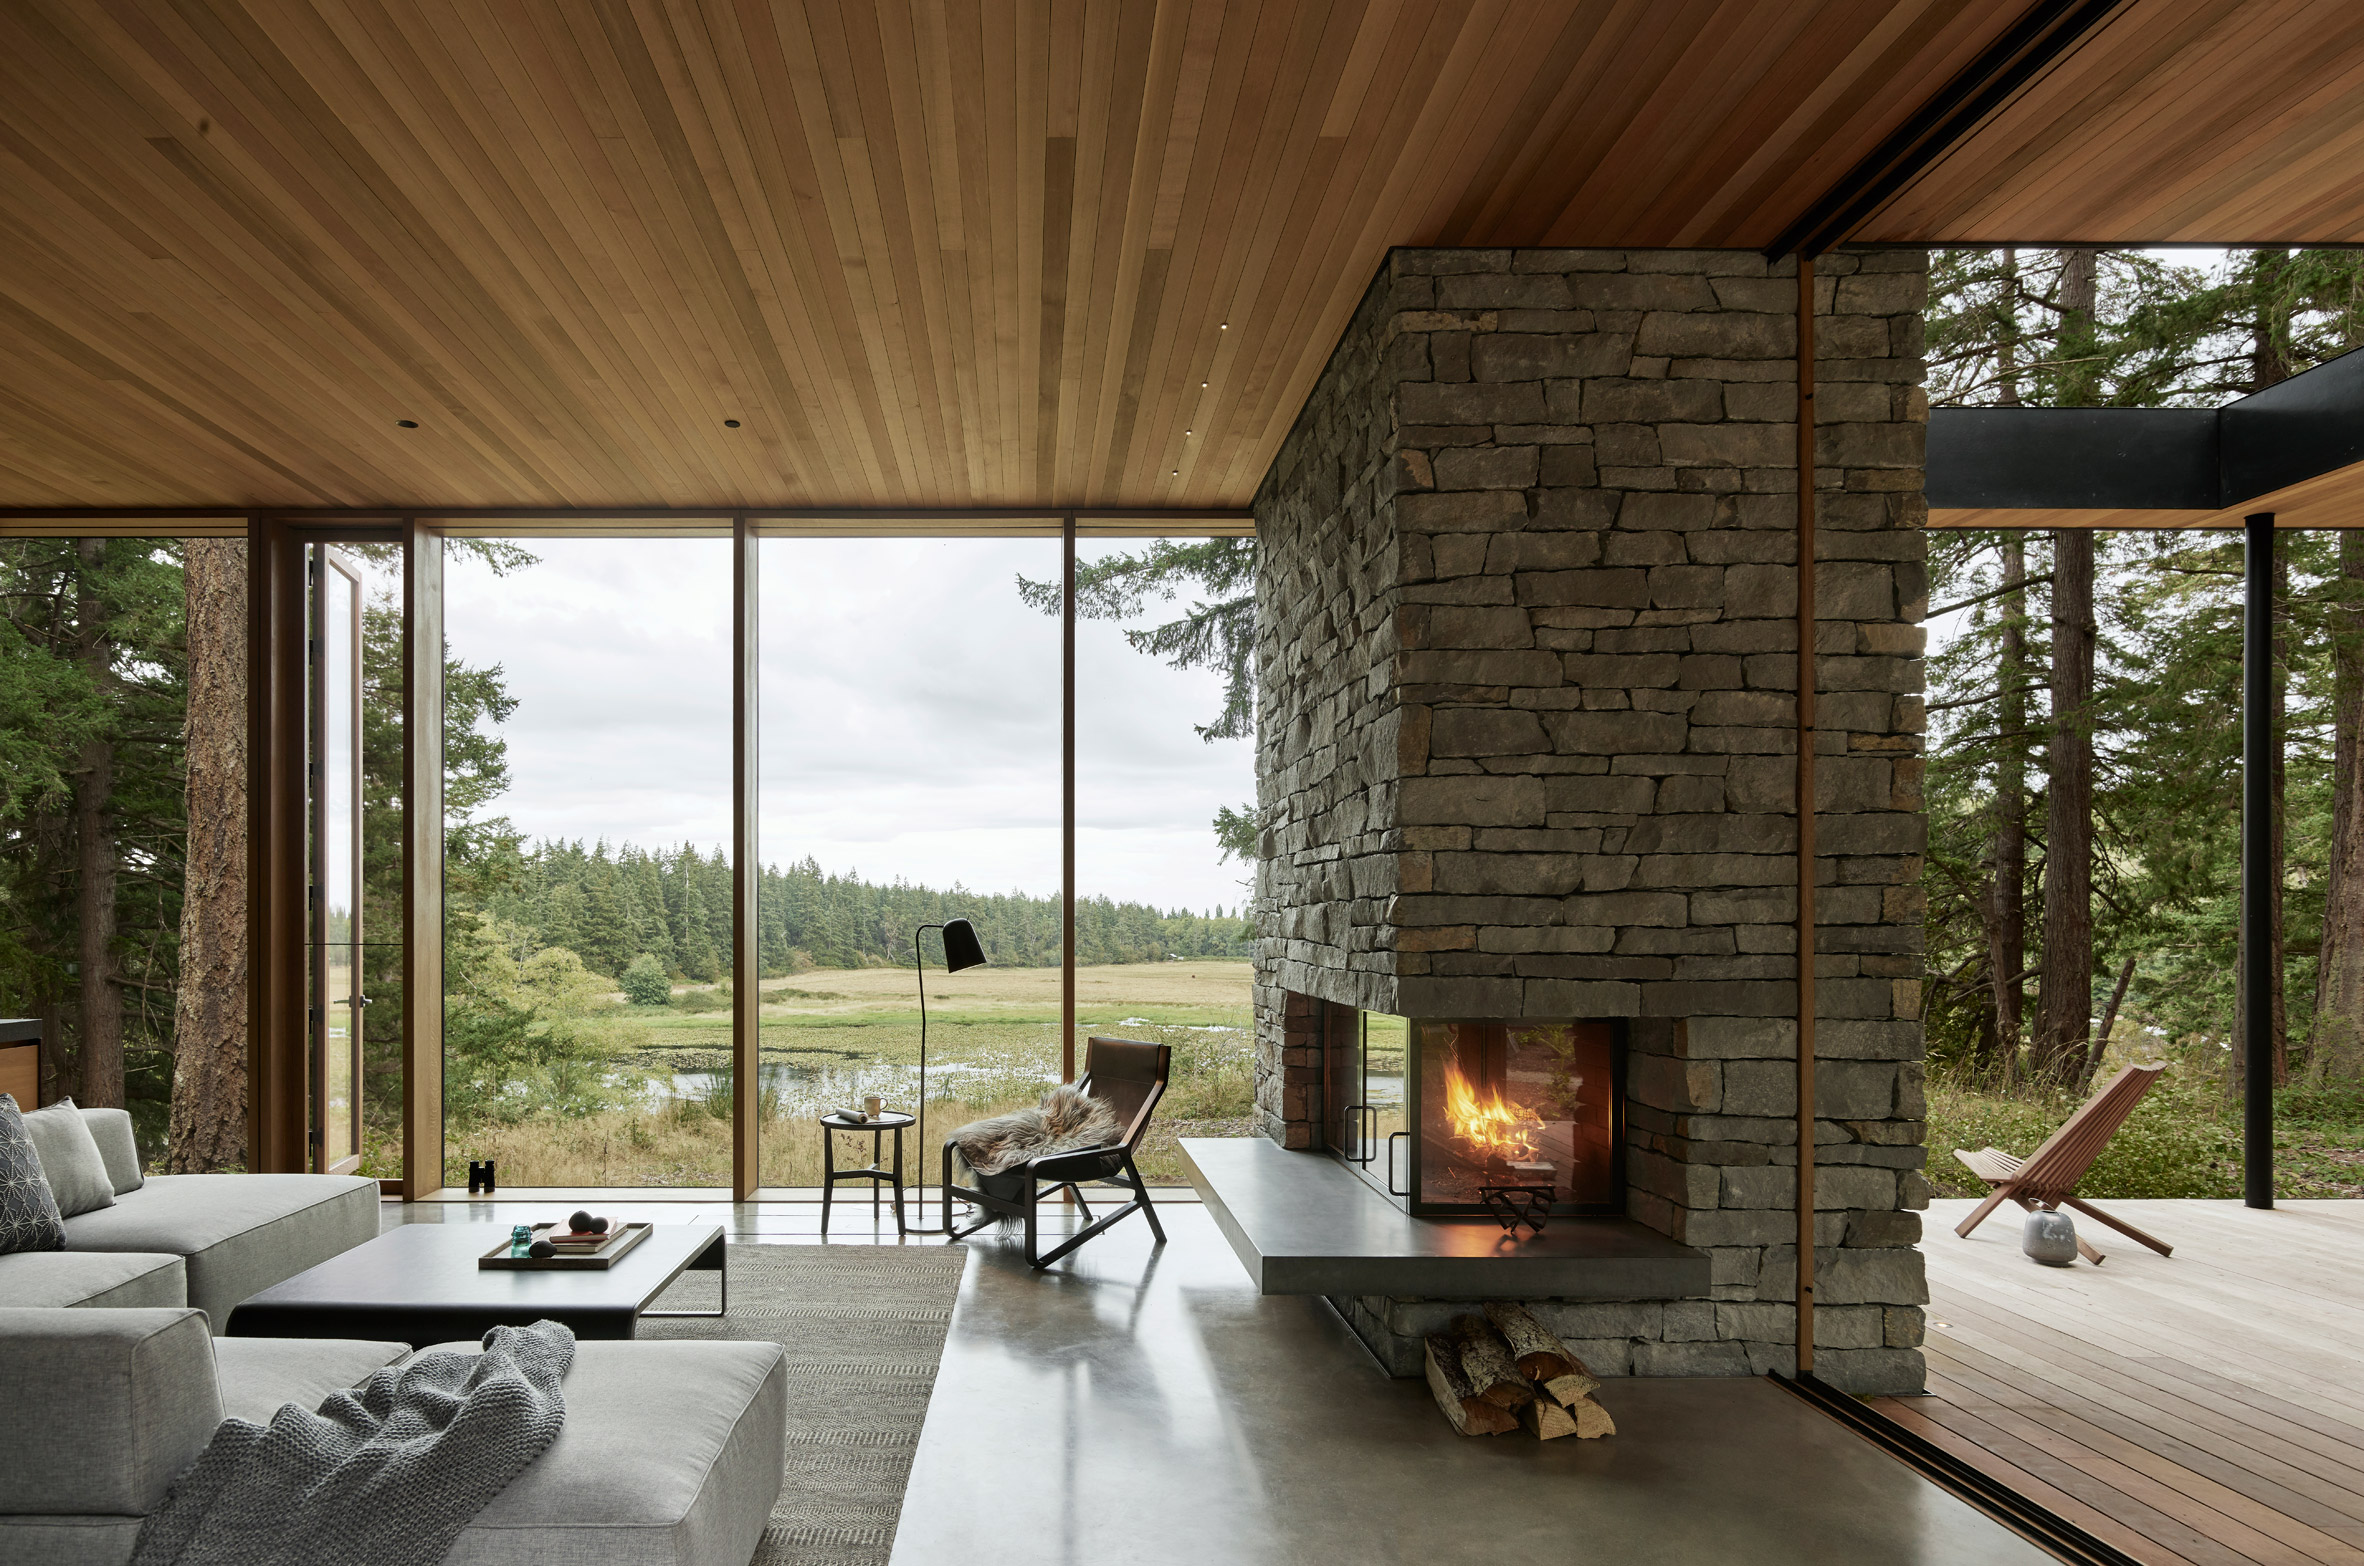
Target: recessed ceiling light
(1202, 386)
(1177, 473)
(1186, 434)
(730, 424)
(1225, 327)
(408, 424)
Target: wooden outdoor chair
(1130, 1078)
(2048, 1177)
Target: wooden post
(1805, 808)
(1067, 800)
(746, 869)
(278, 862)
(422, 860)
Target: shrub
(646, 983)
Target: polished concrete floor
(1145, 1405)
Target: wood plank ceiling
(1079, 253)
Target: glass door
(1363, 1095)
(337, 1000)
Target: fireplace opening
(1474, 1117)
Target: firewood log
(1592, 1420)
(1570, 1388)
(1486, 1361)
(1546, 1420)
(1470, 1413)
(1541, 1355)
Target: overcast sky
(910, 713)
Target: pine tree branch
(1979, 598)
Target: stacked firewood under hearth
(1505, 1371)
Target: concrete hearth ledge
(1301, 1223)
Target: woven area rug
(864, 1328)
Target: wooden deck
(2206, 1407)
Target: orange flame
(1490, 1125)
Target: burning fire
(1490, 1125)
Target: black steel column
(2257, 823)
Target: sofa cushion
(70, 1159)
(104, 1407)
(29, 1219)
(67, 1541)
(260, 1376)
(121, 1279)
(671, 1454)
(118, 1144)
(240, 1233)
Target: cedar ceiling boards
(927, 254)
(934, 254)
(2195, 121)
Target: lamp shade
(961, 947)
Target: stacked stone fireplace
(1527, 748)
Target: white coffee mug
(872, 1104)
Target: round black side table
(877, 1125)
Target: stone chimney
(1527, 740)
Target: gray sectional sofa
(204, 1240)
(670, 1455)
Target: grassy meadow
(831, 1035)
(2183, 1139)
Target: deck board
(2205, 1408)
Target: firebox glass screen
(1511, 1104)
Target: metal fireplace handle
(1391, 1136)
(1362, 1141)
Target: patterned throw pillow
(29, 1218)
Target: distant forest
(610, 906)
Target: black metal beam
(2048, 30)
(2074, 459)
(2257, 841)
(2149, 459)
(2306, 426)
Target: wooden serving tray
(620, 1241)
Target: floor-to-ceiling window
(123, 719)
(910, 731)
(906, 701)
(1165, 829)
(587, 725)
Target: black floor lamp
(961, 950)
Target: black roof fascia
(2073, 459)
(2286, 434)
(2149, 459)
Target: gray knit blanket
(386, 1474)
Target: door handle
(1391, 1140)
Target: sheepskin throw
(1066, 1120)
(387, 1473)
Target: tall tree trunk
(2064, 1005)
(2007, 915)
(2337, 1050)
(99, 998)
(2269, 365)
(2007, 951)
(209, 1012)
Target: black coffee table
(420, 1284)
